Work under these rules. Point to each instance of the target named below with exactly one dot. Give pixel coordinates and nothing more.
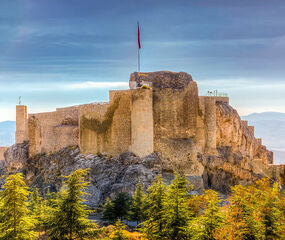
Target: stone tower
(21, 124)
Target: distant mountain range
(7, 133)
(270, 126)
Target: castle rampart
(164, 115)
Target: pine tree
(153, 226)
(15, 220)
(212, 218)
(271, 211)
(108, 212)
(118, 233)
(138, 204)
(243, 214)
(70, 218)
(253, 212)
(205, 226)
(176, 210)
(121, 205)
(36, 206)
(116, 209)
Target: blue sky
(56, 53)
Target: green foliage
(117, 209)
(118, 233)
(176, 211)
(101, 126)
(271, 210)
(16, 223)
(37, 209)
(122, 205)
(204, 227)
(153, 226)
(69, 220)
(254, 212)
(138, 204)
(109, 213)
(243, 206)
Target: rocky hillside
(110, 175)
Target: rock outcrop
(163, 79)
(108, 175)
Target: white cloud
(89, 84)
(7, 114)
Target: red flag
(139, 41)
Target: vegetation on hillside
(161, 212)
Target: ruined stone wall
(107, 128)
(2, 151)
(92, 141)
(52, 131)
(125, 124)
(277, 173)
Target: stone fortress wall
(124, 124)
(52, 131)
(165, 116)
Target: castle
(161, 112)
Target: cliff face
(240, 158)
(235, 133)
(107, 176)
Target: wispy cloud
(61, 86)
(89, 84)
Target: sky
(56, 53)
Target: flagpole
(139, 62)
